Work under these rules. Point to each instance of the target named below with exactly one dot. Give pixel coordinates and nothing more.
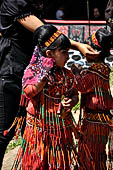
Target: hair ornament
(52, 38)
(94, 40)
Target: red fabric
(92, 148)
(96, 101)
(95, 89)
(47, 139)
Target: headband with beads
(52, 38)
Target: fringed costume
(47, 142)
(96, 122)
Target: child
(96, 102)
(47, 139)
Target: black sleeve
(16, 9)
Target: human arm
(85, 49)
(71, 99)
(36, 75)
(69, 103)
(31, 22)
(32, 90)
(84, 79)
(21, 11)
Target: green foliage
(111, 77)
(76, 107)
(13, 143)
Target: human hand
(67, 104)
(88, 51)
(76, 68)
(47, 63)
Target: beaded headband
(94, 40)
(110, 20)
(52, 38)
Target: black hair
(43, 33)
(105, 41)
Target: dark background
(75, 9)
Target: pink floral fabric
(38, 68)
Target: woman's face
(60, 56)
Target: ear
(49, 54)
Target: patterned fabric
(95, 137)
(93, 83)
(48, 142)
(105, 118)
(96, 103)
(100, 69)
(37, 69)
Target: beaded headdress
(52, 38)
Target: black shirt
(16, 45)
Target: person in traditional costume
(96, 103)
(18, 20)
(50, 92)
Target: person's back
(97, 75)
(96, 101)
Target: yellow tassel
(42, 150)
(48, 154)
(104, 117)
(100, 117)
(69, 158)
(74, 156)
(63, 157)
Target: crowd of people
(37, 93)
